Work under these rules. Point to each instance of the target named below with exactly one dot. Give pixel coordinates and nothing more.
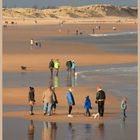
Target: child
(124, 106)
(87, 106)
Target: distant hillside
(72, 12)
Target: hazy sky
(46, 3)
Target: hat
(98, 88)
(124, 99)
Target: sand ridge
(69, 14)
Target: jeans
(47, 108)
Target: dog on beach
(96, 115)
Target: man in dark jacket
(31, 99)
(51, 66)
(69, 65)
(100, 99)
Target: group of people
(50, 101)
(71, 67)
(55, 65)
(34, 43)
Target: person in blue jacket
(70, 100)
(87, 106)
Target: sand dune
(72, 12)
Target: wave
(118, 70)
(114, 34)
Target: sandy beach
(17, 53)
(103, 56)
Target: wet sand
(16, 50)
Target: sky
(46, 3)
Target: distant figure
(114, 28)
(39, 44)
(73, 67)
(70, 100)
(69, 65)
(36, 43)
(77, 32)
(99, 27)
(47, 99)
(31, 43)
(55, 101)
(57, 66)
(51, 67)
(31, 99)
(93, 31)
(100, 99)
(56, 81)
(124, 106)
(96, 27)
(87, 106)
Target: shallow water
(109, 42)
(36, 130)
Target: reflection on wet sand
(71, 132)
(31, 130)
(56, 81)
(49, 131)
(99, 132)
(70, 80)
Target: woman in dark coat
(31, 99)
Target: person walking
(51, 66)
(100, 99)
(31, 44)
(69, 65)
(70, 100)
(47, 99)
(55, 101)
(124, 106)
(57, 66)
(87, 106)
(31, 99)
